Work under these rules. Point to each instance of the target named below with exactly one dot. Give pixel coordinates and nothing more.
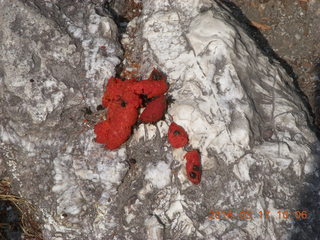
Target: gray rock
(259, 152)
(52, 71)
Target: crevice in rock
(123, 12)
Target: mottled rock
(52, 71)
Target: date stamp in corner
(265, 214)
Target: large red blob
(122, 98)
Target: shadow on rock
(263, 44)
(306, 216)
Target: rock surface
(293, 35)
(258, 150)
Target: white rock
(158, 175)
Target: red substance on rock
(122, 98)
(193, 166)
(118, 89)
(154, 111)
(150, 88)
(117, 128)
(156, 85)
(111, 135)
(177, 136)
(122, 114)
(101, 131)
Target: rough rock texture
(294, 36)
(52, 72)
(258, 150)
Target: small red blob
(154, 111)
(193, 166)
(177, 136)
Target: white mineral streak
(158, 175)
(99, 35)
(149, 131)
(227, 97)
(154, 228)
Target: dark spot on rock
(100, 107)
(170, 99)
(196, 168)
(31, 80)
(87, 110)
(14, 100)
(267, 134)
(176, 132)
(9, 221)
(193, 175)
(123, 103)
(132, 199)
(132, 161)
(145, 99)
(156, 75)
